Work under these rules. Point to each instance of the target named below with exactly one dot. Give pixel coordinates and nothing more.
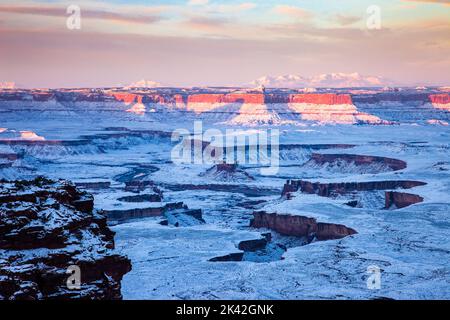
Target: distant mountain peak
(144, 84)
(7, 85)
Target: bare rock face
(328, 189)
(300, 226)
(236, 256)
(381, 163)
(155, 197)
(400, 199)
(252, 245)
(48, 227)
(321, 98)
(227, 172)
(443, 98)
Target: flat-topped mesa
(398, 97)
(443, 98)
(299, 226)
(358, 160)
(440, 101)
(328, 189)
(173, 211)
(128, 97)
(226, 172)
(176, 97)
(321, 98)
(210, 96)
(259, 98)
(330, 108)
(252, 107)
(405, 106)
(390, 97)
(138, 213)
(250, 98)
(47, 227)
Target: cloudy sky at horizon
(215, 42)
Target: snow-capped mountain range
(332, 80)
(7, 85)
(144, 84)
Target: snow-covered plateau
(361, 190)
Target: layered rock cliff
(328, 189)
(401, 199)
(232, 105)
(50, 235)
(300, 226)
(364, 163)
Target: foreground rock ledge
(47, 227)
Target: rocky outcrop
(9, 156)
(330, 189)
(47, 228)
(138, 186)
(299, 226)
(441, 101)
(246, 246)
(176, 213)
(184, 217)
(321, 98)
(227, 172)
(316, 146)
(93, 185)
(212, 98)
(239, 105)
(137, 213)
(155, 197)
(443, 98)
(252, 245)
(237, 256)
(407, 106)
(400, 199)
(358, 160)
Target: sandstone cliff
(299, 226)
(47, 227)
(401, 199)
(328, 189)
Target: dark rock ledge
(47, 227)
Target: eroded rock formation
(358, 160)
(299, 226)
(227, 172)
(236, 256)
(252, 245)
(136, 213)
(154, 197)
(47, 227)
(329, 189)
(279, 106)
(401, 199)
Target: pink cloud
(345, 20)
(52, 11)
(446, 2)
(66, 59)
(294, 12)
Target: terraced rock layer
(401, 199)
(328, 189)
(358, 160)
(300, 226)
(47, 227)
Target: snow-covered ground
(411, 245)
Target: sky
(216, 42)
